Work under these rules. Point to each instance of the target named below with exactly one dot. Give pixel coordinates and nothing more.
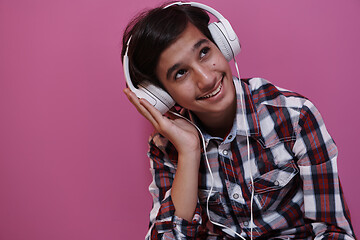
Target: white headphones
(225, 38)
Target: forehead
(189, 35)
(182, 48)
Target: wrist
(190, 159)
(188, 147)
(190, 151)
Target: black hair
(154, 30)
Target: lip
(214, 92)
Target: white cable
(211, 174)
(248, 154)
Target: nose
(205, 77)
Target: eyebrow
(177, 65)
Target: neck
(219, 124)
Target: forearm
(325, 231)
(169, 177)
(184, 191)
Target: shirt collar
(251, 124)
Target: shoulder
(156, 139)
(265, 92)
(162, 150)
(280, 111)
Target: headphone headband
(199, 5)
(229, 30)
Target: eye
(180, 73)
(204, 51)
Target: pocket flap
(214, 197)
(275, 179)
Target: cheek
(219, 62)
(183, 94)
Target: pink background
(73, 159)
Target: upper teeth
(214, 92)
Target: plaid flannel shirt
(293, 163)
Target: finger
(132, 98)
(155, 113)
(164, 123)
(152, 110)
(139, 107)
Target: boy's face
(196, 74)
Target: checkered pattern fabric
(292, 161)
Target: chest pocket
(276, 185)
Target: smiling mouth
(214, 93)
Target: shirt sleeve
(164, 224)
(324, 203)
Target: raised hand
(178, 131)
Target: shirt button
(229, 137)
(276, 183)
(236, 196)
(246, 224)
(225, 152)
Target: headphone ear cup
(228, 48)
(156, 96)
(163, 101)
